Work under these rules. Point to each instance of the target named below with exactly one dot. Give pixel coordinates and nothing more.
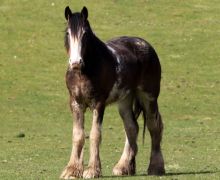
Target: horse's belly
(117, 94)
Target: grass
(35, 121)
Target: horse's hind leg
(126, 165)
(155, 127)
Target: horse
(125, 70)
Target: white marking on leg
(95, 136)
(74, 168)
(94, 166)
(126, 152)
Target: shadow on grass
(167, 174)
(190, 173)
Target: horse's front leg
(74, 168)
(94, 166)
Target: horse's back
(138, 64)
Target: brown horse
(125, 70)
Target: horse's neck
(96, 56)
(93, 49)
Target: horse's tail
(138, 108)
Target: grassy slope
(34, 99)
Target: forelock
(75, 24)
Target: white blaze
(75, 49)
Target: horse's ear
(84, 13)
(68, 12)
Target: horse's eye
(67, 33)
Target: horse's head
(77, 25)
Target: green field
(35, 120)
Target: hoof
(124, 169)
(156, 171)
(117, 171)
(92, 173)
(72, 172)
(156, 166)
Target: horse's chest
(79, 87)
(82, 90)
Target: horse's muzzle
(77, 65)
